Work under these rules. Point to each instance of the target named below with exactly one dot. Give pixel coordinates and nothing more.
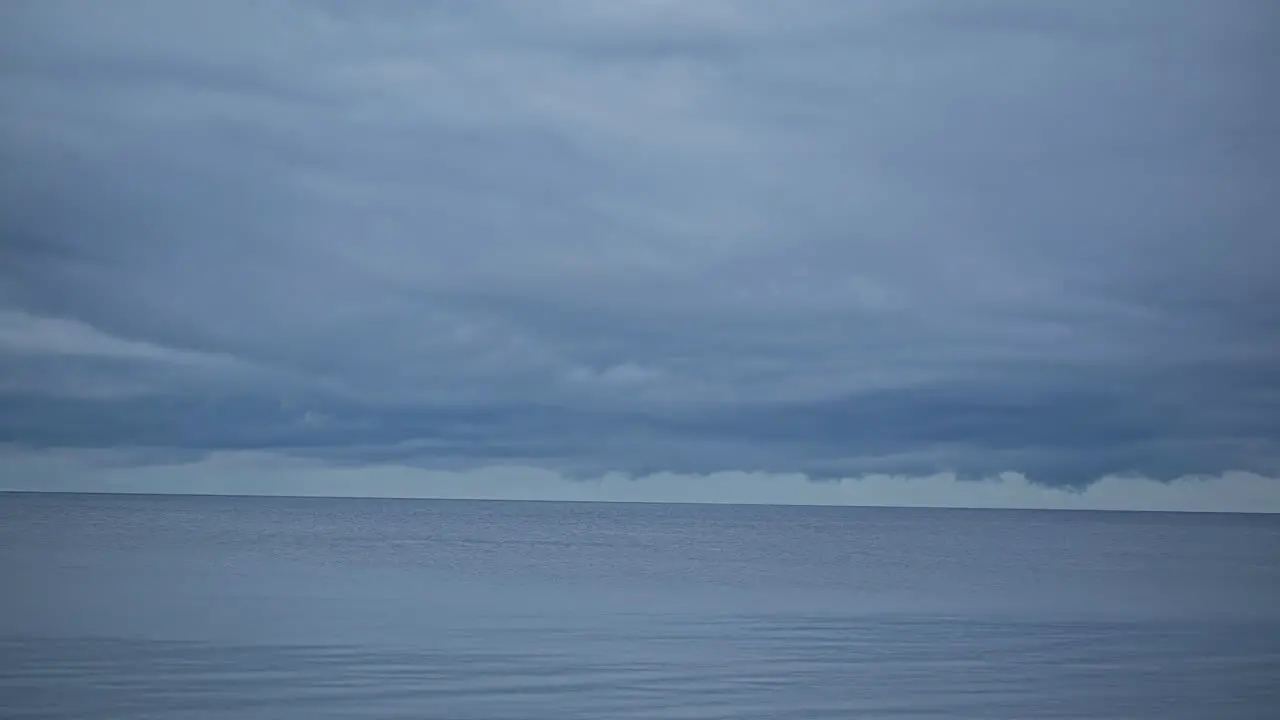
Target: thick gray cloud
(822, 237)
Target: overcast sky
(645, 249)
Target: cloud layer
(826, 239)
(264, 473)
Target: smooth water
(191, 607)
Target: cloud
(248, 473)
(832, 239)
(24, 334)
(75, 362)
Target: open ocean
(213, 607)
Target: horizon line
(581, 501)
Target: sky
(921, 252)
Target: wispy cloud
(21, 333)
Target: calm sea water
(187, 607)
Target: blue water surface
(213, 607)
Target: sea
(185, 608)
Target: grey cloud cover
(821, 237)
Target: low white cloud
(263, 473)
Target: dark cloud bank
(667, 250)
